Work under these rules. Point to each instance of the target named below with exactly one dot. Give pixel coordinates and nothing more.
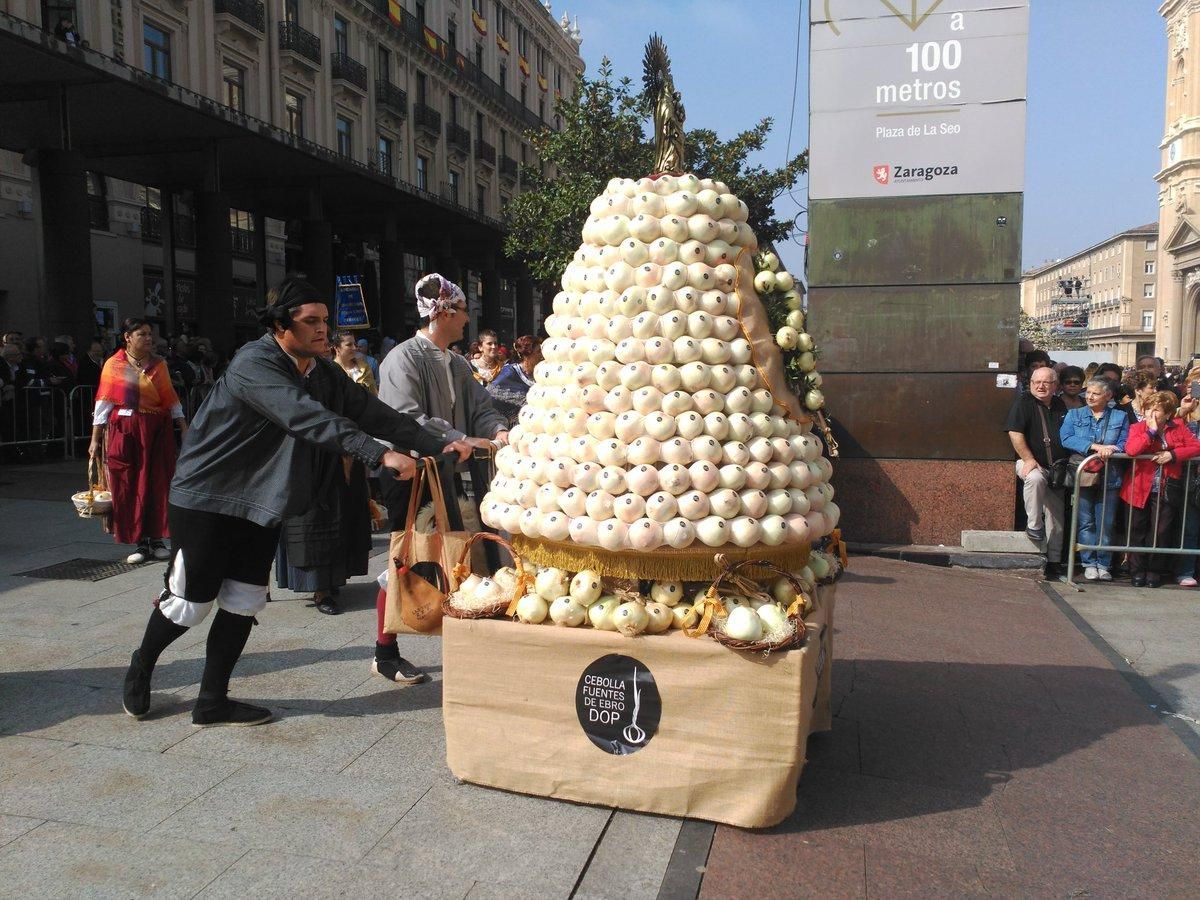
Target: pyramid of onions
(660, 421)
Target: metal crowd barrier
(35, 417)
(1110, 495)
(80, 403)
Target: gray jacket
(412, 380)
(253, 448)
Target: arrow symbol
(914, 19)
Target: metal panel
(919, 415)
(955, 239)
(941, 328)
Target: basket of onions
(477, 597)
(739, 613)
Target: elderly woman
(1154, 487)
(1097, 428)
(509, 387)
(135, 406)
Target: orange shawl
(148, 389)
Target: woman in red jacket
(1155, 483)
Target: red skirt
(140, 455)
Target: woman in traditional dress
(509, 387)
(131, 426)
(319, 551)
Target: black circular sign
(618, 704)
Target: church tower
(1178, 312)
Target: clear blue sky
(1095, 114)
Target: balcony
(241, 242)
(299, 45)
(383, 163)
(391, 99)
(151, 220)
(458, 138)
(246, 16)
(485, 153)
(348, 70)
(508, 168)
(427, 119)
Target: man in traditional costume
(249, 462)
(423, 378)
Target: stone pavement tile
(762, 865)
(412, 746)
(401, 702)
(837, 749)
(295, 810)
(923, 743)
(538, 846)
(110, 787)
(19, 752)
(837, 806)
(1079, 846)
(275, 874)
(319, 742)
(68, 711)
(899, 873)
(12, 827)
(632, 857)
(23, 653)
(490, 890)
(66, 860)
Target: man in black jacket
(1033, 425)
(248, 462)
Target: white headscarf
(448, 296)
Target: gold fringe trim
(664, 564)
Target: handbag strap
(410, 518)
(1045, 431)
(437, 493)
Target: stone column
(65, 243)
(214, 269)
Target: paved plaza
(990, 738)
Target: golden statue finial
(668, 108)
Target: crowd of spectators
(1064, 414)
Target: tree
(602, 137)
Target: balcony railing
(383, 163)
(391, 97)
(299, 41)
(252, 12)
(241, 241)
(411, 27)
(458, 137)
(343, 67)
(485, 152)
(98, 213)
(508, 167)
(427, 117)
(185, 228)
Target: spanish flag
(394, 11)
(480, 22)
(431, 39)
(502, 43)
(542, 81)
(523, 64)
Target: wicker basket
(731, 577)
(96, 500)
(462, 569)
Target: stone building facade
(431, 99)
(1112, 300)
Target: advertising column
(917, 133)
